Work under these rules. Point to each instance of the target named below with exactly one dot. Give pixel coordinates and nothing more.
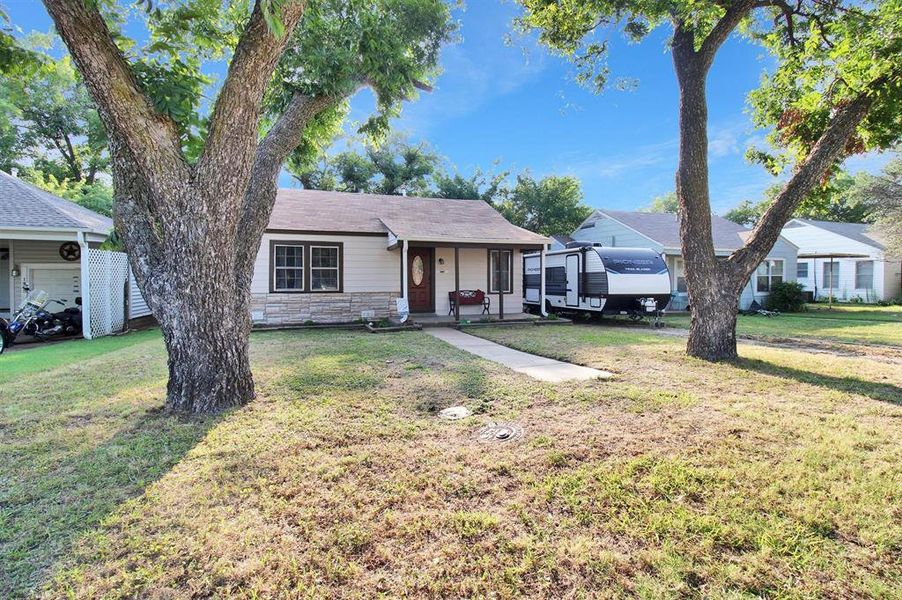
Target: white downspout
(85, 286)
(542, 310)
(404, 269)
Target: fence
(106, 292)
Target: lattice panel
(108, 277)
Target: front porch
(487, 278)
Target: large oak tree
(836, 90)
(194, 188)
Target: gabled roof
(406, 217)
(860, 232)
(664, 228)
(562, 239)
(24, 205)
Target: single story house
(340, 257)
(845, 260)
(46, 243)
(661, 232)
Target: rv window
(501, 271)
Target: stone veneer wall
(285, 309)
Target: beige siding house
(332, 257)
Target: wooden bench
(470, 298)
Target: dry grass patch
(678, 478)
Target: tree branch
(731, 18)
(235, 120)
(824, 154)
(128, 115)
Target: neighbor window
(501, 271)
(769, 272)
(324, 268)
(831, 275)
(802, 270)
(305, 267)
(288, 267)
(864, 274)
(680, 272)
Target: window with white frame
(831, 275)
(680, 274)
(288, 267)
(325, 268)
(802, 269)
(864, 274)
(769, 272)
(501, 264)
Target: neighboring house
(44, 244)
(559, 241)
(339, 257)
(661, 232)
(860, 267)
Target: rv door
(573, 280)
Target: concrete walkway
(537, 367)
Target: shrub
(788, 296)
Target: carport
(50, 243)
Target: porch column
(456, 284)
(501, 285)
(85, 287)
(404, 269)
(542, 310)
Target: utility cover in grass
(453, 413)
(495, 433)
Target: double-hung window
(298, 266)
(802, 269)
(288, 267)
(769, 272)
(501, 278)
(864, 274)
(325, 268)
(831, 275)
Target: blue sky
(517, 104)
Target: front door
(419, 280)
(573, 280)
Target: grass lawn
(848, 323)
(778, 476)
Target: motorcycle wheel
(2, 343)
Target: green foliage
(479, 186)
(547, 206)
(47, 120)
(14, 58)
(787, 296)
(833, 53)
(96, 196)
(883, 193)
(395, 167)
(666, 203)
(838, 200)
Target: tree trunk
(712, 328)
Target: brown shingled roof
(407, 217)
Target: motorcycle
(32, 318)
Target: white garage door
(61, 284)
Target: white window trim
(770, 274)
(827, 283)
(336, 268)
(302, 268)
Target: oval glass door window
(417, 270)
